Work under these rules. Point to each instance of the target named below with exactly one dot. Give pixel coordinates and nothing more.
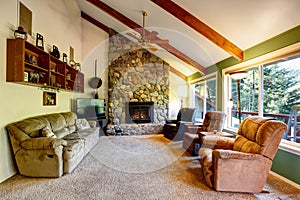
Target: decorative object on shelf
(65, 58)
(34, 77)
(49, 98)
(55, 52)
(68, 76)
(26, 76)
(33, 60)
(72, 63)
(58, 85)
(77, 66)
(95, 82)
(20, 33)
(40, 41)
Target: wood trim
(94, 21)
(200, 27)
(178, 73)
(131, 24)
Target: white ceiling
(243, 22)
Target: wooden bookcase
(27, 64)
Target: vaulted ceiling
(200, 32)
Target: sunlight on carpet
(137, 154)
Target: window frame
(204, 78)
(259, 61)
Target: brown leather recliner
(213, 120)
(242, 164)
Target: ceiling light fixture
(145, 38)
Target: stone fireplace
(136, 76)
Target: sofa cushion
(72, 136)
(70, 118)
(33, 126)
(82, 124)
(57, 121)
(62, 132)
(47, 132)
(72, 128)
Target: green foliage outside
(281, 89)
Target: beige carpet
(134, 167)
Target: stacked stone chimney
(134, 74)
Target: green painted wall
(287, 165)
(284, 163)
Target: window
(248, 96)
(270, 90)
(205, 96)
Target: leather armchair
(174, 128)
(213, 120)
(242, 164)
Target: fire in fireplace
(139, 112)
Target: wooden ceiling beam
(178, 73)
(133, 25)
(95, 22)
(200, 27)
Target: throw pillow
(82, 124)
(47, 132)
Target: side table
(192, 141)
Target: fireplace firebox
(139, 112)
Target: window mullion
(260, 90)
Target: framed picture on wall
(25, 18)
(49, 98)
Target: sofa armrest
(92, 124)
(43, 143)
(229, 154)
(220, 142)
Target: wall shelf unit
(27, 64)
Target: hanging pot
(95, 82)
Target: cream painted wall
(175, 99)
(94, 46)
(59, 22)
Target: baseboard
(285, 179)
(8, 176)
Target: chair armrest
(229, 154)
(43, 143)
(217, 142)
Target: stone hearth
(136, 75)
(135, 129)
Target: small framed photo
(49, 98)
